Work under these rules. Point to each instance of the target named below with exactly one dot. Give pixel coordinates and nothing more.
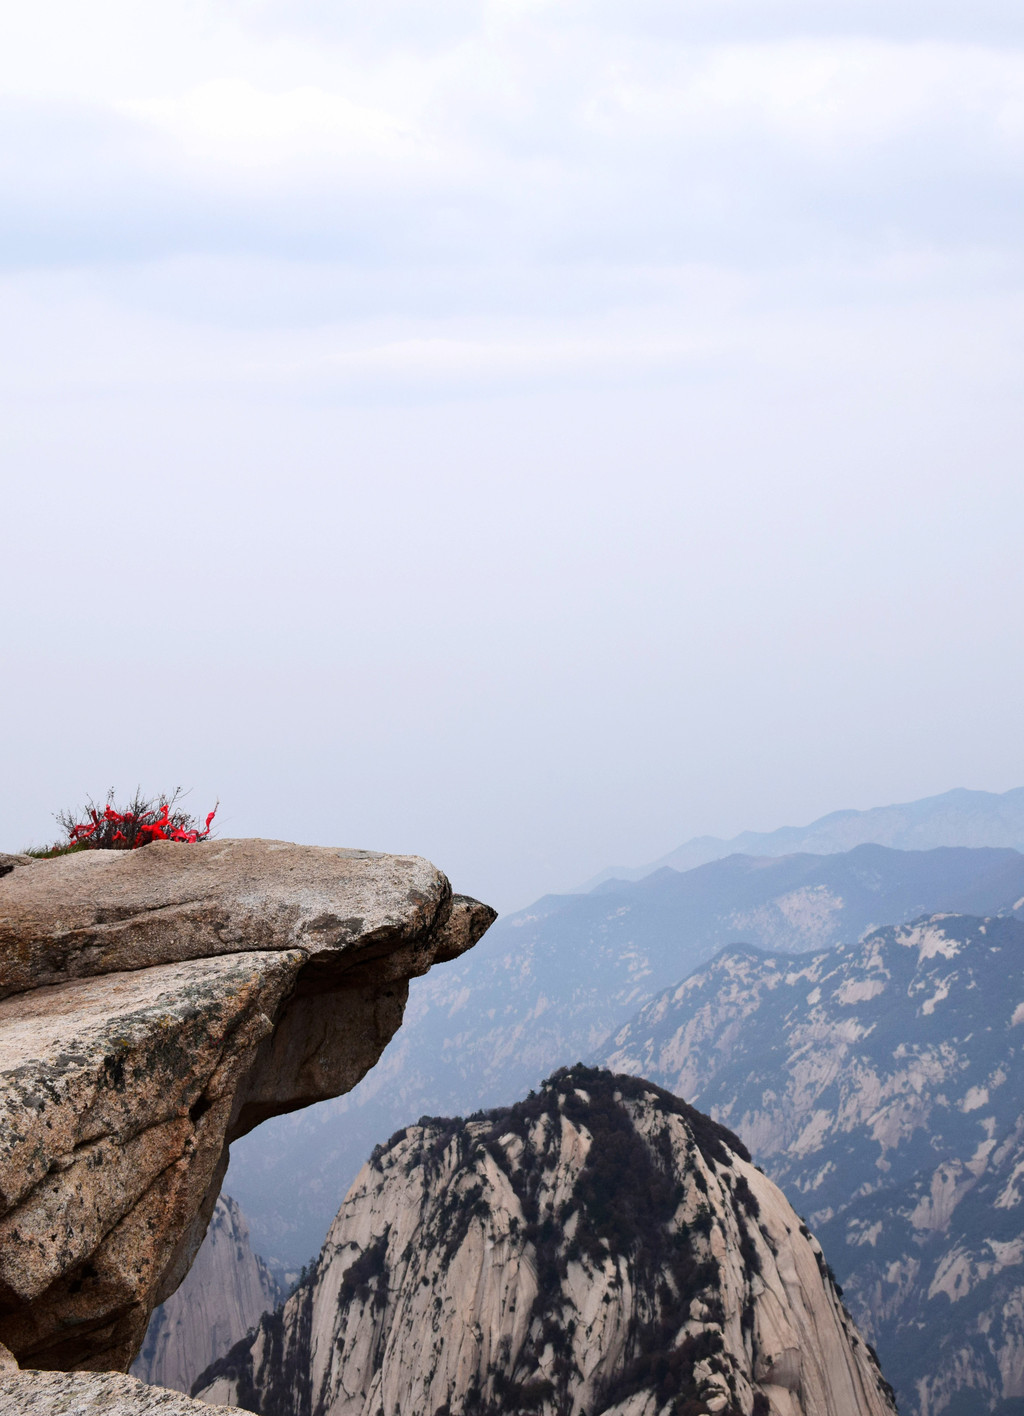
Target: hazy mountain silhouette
(956, 818)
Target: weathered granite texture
(160, 1003)
(11, 862)
(600, 1249)
(96, 912)
(225, 1293)
(95, 1394)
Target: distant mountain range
(881, 1085)
(547, 985)
(956, 818)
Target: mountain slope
(882, 1086)
(938, 1265)
(598, 1248)
(956, 818)
(545, 986)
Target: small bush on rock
(106, 828)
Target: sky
(526, 433)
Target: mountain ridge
(879, 1085)
(960, 817)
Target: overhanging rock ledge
(154, 1006)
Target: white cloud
(531, 130)
(841, 94)
(231, 122)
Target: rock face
(881, 1085)
(223, 1296)
(97, 912)
(599, 1248)
(11, 862)
(159, 1003)
(94, 1394)
(550, 983)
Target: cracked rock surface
(154, 1006)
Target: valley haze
(956, 818)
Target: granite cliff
(598, 1248)
(154, 1006)
(880, 1085)
(222, 1297)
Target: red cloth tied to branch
(137, 828)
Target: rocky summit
(154, 1005)
(97, 912)
(598, 1248)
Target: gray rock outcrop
(222, 1297)
(95, 1394)
(155, 1005)
(11, 862)
(599, 1248)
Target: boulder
(154, 1006)
(11, 862)
(96, 912)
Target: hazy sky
(524, 432)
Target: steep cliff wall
(598, 1248)
(154, 1005)
(224, 1294)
